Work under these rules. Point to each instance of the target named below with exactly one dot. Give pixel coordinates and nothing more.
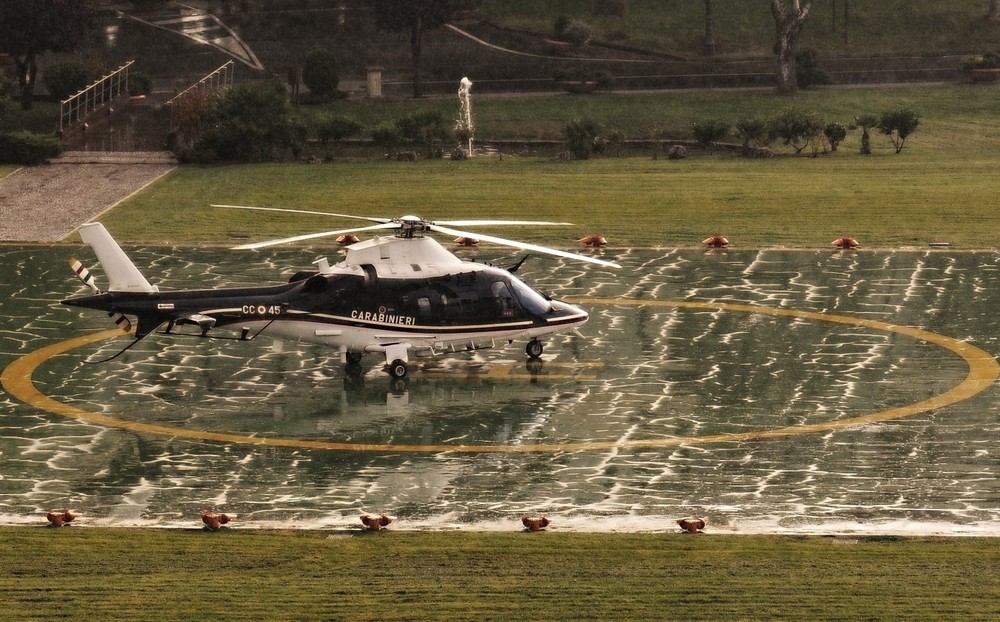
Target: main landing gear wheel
(397, 369)
(533, 349)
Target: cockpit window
(532, 302)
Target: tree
(798, 129)
(866, 122)
(413, 16)
(321, 73)
(29, 28)
(788, 23)
(897, 125)
(709, 49)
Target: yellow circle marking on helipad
(983, 372)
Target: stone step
(115, 157)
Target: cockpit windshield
(531, 301)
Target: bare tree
(414, 17)
(789, 18)
(710, 29)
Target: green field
(745, 28)
(941, 188)
(86, 573)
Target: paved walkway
(47, 203)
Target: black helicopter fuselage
(313, 307)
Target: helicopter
(398, 295)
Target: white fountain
(464, 122)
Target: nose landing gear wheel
(397, 369)
(533, 349)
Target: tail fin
(123, 276)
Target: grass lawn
(884, 200)
(942, 187)
(159, 574)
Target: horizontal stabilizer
(123, 276)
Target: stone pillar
(374, 84)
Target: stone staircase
(116, 157)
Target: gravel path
(47, 203)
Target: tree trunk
(788, 23)
(710, 29)
(416, 40)
(27, 69)
(994, 13)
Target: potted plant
(568, 35)
(583, 80)
(983, 68)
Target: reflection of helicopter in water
(398, 296)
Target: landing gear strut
(533, 349)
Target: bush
(65, 79)
(583, 137)
(424, 128)
(321, 73)
(707, 133)
(387, 136)
(571, 30)
(835, 134)
(250, 123)
(807, 71)
(23, 147)
(752, 134)
(139, 84)
(335, 127)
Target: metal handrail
(220, 78)
(76, 107)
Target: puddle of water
(638, 373)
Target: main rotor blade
(312, 236)
(524, 246)
(300, 211)
(477, 222)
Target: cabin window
(504, 299)
(533, 302)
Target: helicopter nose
(565, 313)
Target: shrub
(321, 73)
(335, 127)
(752, 134)
(709, 132)
(424, 128)
(807, 71)
(65, 79)
(139, 84)
(387, 136)
(250, 123)
(583, 137)
(571, 30)
(28, 148)
(835, 134)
